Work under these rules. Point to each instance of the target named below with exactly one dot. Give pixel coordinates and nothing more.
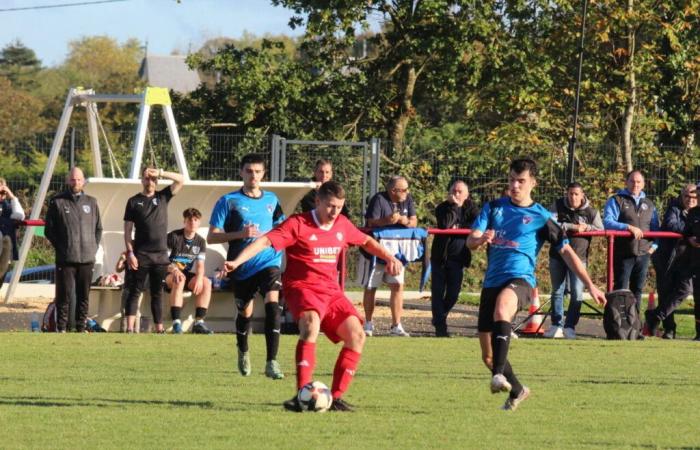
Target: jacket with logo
(73, 227)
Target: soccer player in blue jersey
(514, 227)
(239, 218)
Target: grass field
(153, 391)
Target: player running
(515, 227)
(313, 241)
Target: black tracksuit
(74, 228)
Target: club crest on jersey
(313, 238)
(339, 235)
(527, 219)
(155, 201)
(270, 208)
(86, 209)
(498, 212)
(195, 249)
(644, 207)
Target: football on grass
(315, 397)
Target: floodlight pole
(572, 140)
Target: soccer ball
(315, 397)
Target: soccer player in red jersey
(313, 241)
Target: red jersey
(312, 252)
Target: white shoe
(369, 328)
(569, 333)
(499, 384)
(555, 332)
(511, 404)
(399, 331)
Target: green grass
(150, 391)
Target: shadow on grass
(66, 402)
(635, 382)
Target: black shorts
(487, 303)
(267, 280)
(188, 278)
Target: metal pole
(72, 148)
(572, 141)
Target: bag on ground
(621, 315)
(50, 319)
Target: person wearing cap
(630, 210)
(668, 282)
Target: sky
(165, 24)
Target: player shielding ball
(514, 227)
(313, 241)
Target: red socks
(306, 362)
(344, 371)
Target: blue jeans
(631, 273)
(559, 272)
(445, 287)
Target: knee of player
(357, 338)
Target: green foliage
(19, 64)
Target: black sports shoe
(341, 405)
(669, 334)
(292, 404)
(697, 338)
(201, 328)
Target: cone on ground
(651, 305)
(534, 324)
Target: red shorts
(332, 306)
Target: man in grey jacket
(74, 229)
(574, 214)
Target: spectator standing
(667, 282)
(630, 210)
(146, 217)
(11, 212)
(449, 253)
(323, 172)
(186, 271)
(240, 218)
(393, 207)
(574, 214)
(74, 228)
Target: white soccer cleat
(399, 331)
(499, 384)
(511, 404)
(554, 332)
(569, 333)
(369, 328)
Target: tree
(19, 64)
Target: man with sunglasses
(393, 207)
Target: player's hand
(152, 173)
(178, 276)
(637, 232)
(6, 190)
(198, 285)
(597, 295)
(250, 231)
(394, 218)
(132, 261)
(487, 237)
(393, 266)
(581, 227)
(651, 250)
(229, 266)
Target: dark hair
(191, 212)
(331, 189)
(520, 165)
(574, 184)
(252, 158)
(632, 172)
(323, 162)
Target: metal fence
(429, 167)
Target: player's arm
(131, 260)
(477, 238)
(199, 277)
(371, 246)
(218, 236)
(178, 180)
(253, 249)
(574, 262)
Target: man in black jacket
(449, 253)
(574, 214)
(74, 229)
